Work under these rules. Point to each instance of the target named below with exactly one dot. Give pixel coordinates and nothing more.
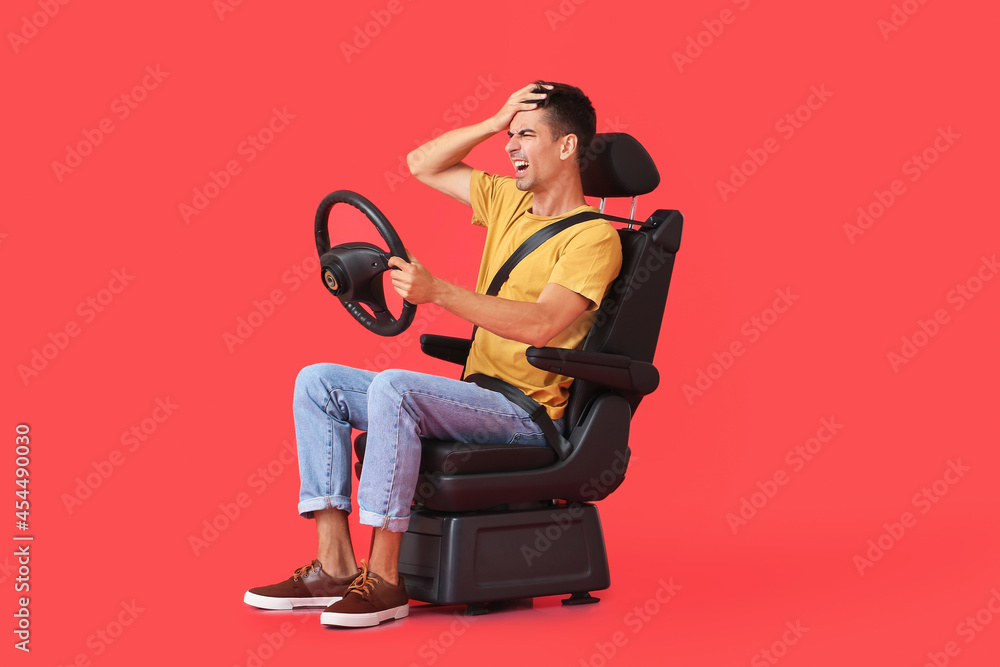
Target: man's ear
(568, 146)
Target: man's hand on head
(412, 281)
(438, 163)
(524, 99)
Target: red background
(355, 115)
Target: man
(550, 298)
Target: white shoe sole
(364, 620)
(264, 602)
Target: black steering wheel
(353, 271)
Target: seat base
(489, 556)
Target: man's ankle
(392, 578)
(340, 569)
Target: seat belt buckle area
(537, 413)
(535, 410)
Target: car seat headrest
(616, 165)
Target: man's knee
(389, 382)
(309, 378)
(392, 385)
(313, 383)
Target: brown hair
(569, 111)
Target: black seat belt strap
(532, 242)
(529, 245)
(534, 409)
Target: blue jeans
(397, 408)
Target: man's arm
(438, 163)
(529, 323)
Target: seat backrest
(629, 318)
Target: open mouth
(520, 166)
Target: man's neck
(559, 198)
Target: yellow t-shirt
(584, 258)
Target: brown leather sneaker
(309, 586)
(368, 601)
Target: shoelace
(304, 570)
(364, 585)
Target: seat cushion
(462, 458)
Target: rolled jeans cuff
(395, 524)
(310, 505)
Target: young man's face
(533, 151)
